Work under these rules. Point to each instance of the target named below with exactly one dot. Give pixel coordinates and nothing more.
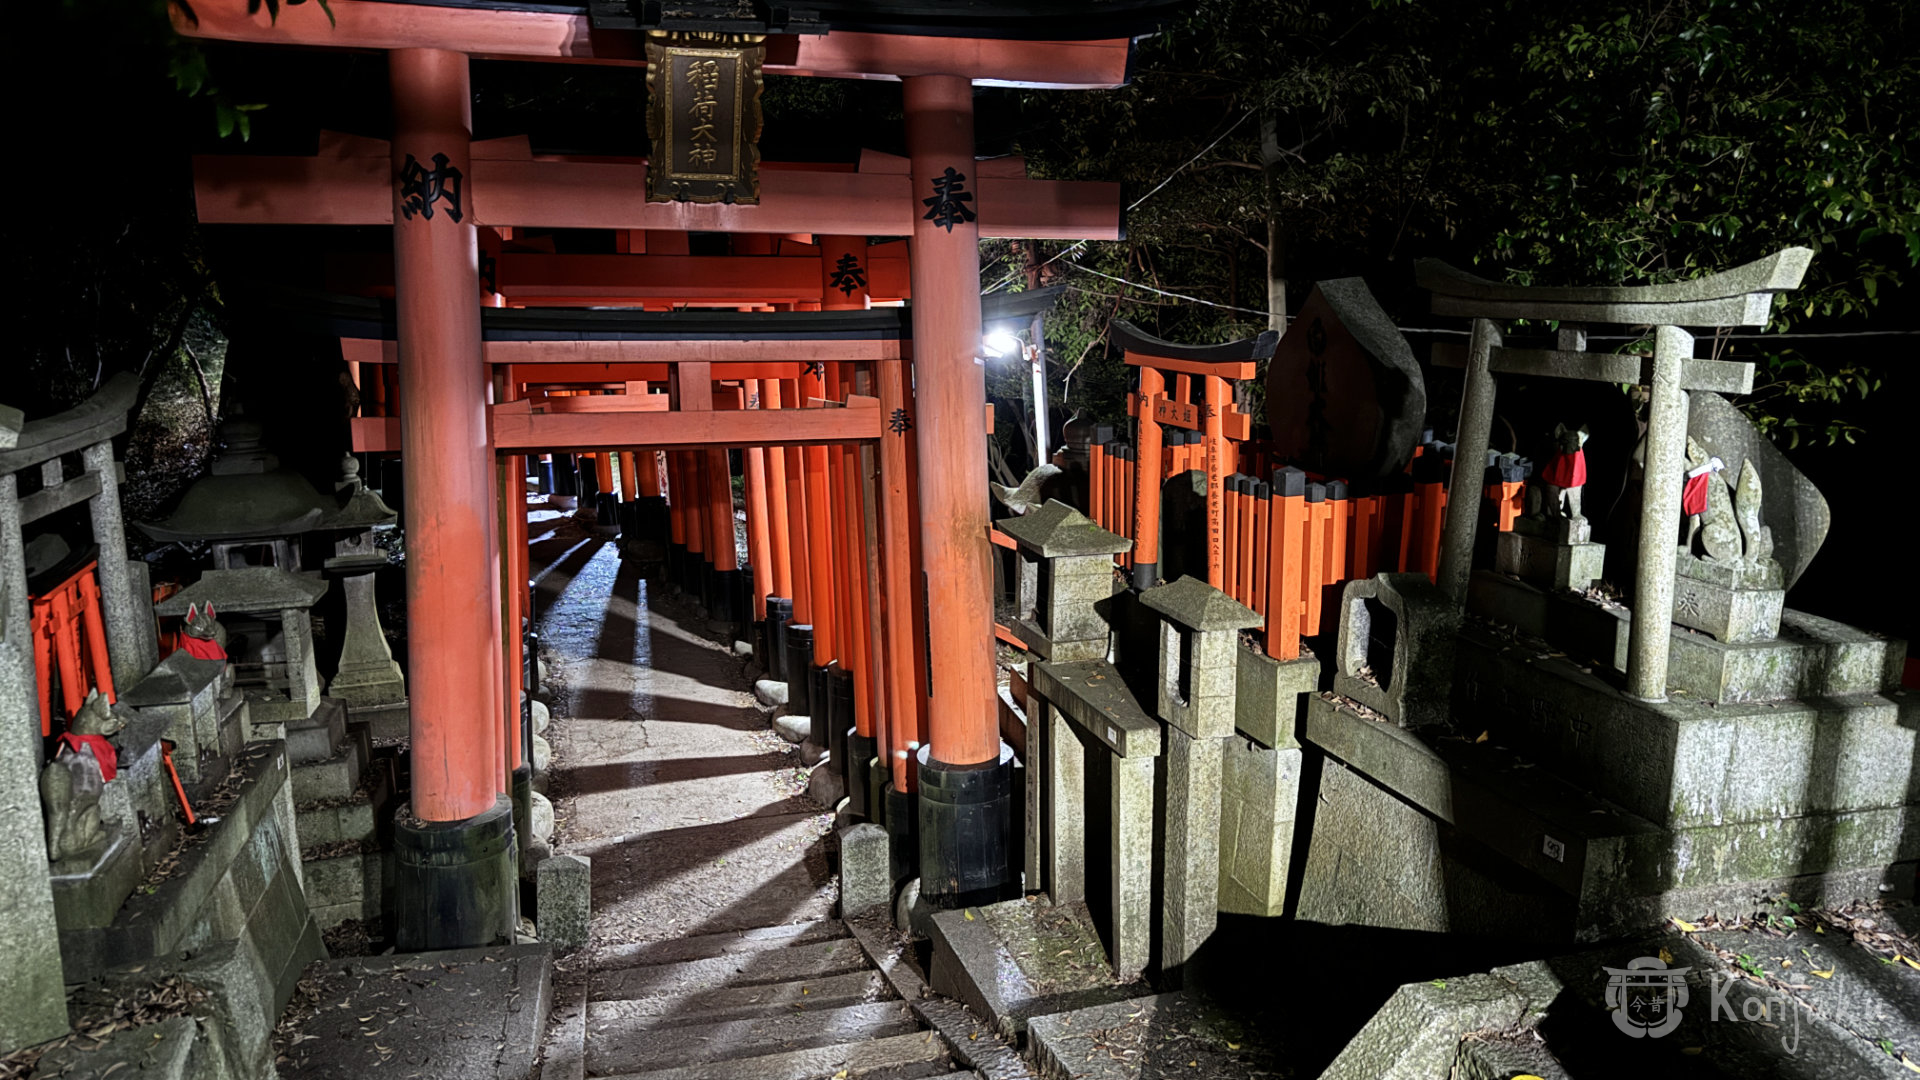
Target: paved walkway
(714, 954)
(665, 772)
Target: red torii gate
(455, 880)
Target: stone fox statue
(72, 783)
(204, 637)
(1558, 493)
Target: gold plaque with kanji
(703, 117)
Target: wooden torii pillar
(965, 774)
(455, 848)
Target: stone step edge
(858, 1059)
(725, 943)
(361, 797)
(675, 1043)
(608, 1009)
(673, 977)
(971, 1039)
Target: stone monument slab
(1345, 396)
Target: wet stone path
(665, 773)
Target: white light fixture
(1001, 343)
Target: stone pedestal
(1190, 839)
(279, 675)
(1096, 727)
(1259, 800)
(1267, 694)
(1735, 602)
(367, 678)
(1553, 554)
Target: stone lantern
(1066, 573)
(250, 509)
(254, 512)
(367, 680)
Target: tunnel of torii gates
(835, 414)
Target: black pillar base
(840, 722)
(1146, 575)
(860, 749)
(903, 834)
(454, 882)
(779, 614)
(723, 605)
(821, 732)
(522, 784)
(966, 832)
(676, 565)
(606, 512)
(704, 586)
(799, 669)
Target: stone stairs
(799, 1002)
(341, 795)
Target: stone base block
(242, 883)
(1466, 837)
(1268, 694)
(1578, 626)
(369, 686)
(1810, 657)
(1164, 1035)
(271, 710)
(314, 737)
(1730, 613)
(344, 887)
(1418, 1032)
(1687, 763)
(335, 777)
(388, 723)
(1260, 794)
(1549, 563)
(565, 900)
(161, 1051)
(329, 823)
(90, 896)
(1021, 959)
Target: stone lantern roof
(360, 508)
(245, 493)
(1197, 605)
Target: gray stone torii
(1742, 296)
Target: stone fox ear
(193, 614)
(208, 610)
(1559, 430)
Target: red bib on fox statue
(202, 648)
(1566, 470)
(1693, 496)
(203, 637)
